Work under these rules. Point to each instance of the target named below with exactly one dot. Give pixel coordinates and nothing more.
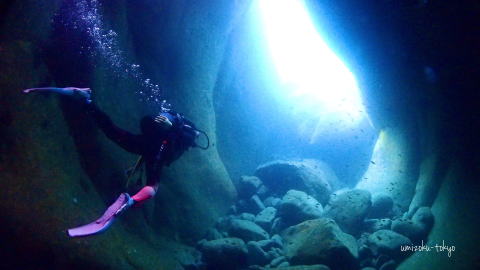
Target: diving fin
(123, 202)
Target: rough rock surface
(381, 206)
(373, 225)
(311, 176)
(320, 241)
(296, 206)
(247, 186)
(388, 242)
(247, 230)
(305, 267)
(225, 252)
(349, 208)
(265, 218)
(417, 227)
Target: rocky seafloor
(297, 215)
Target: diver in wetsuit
(163, 140)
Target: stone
(349, 208)
(272, 201)
(247, 216)
(373, 225)
(320, 241)
(256, 255)
(416, 228)
(265, 218)
(388, 242)
(303, 267)
(256, 205)
(278, 225)
(277, 239)
(224, 252)
(213, 234)
(424, 217)
(248, 186)
(283, 265)
(381, 206)
(263, 192)
(189, 259)
(296, 206)
(368, 268)
(311, 176)
(275, 262)
(247, 230)
(390, 265)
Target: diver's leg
(74, 92)
(147, 192)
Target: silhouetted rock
(416, 228)
(320, 241)
(265, 218)
(311, 176)
(248, 186)
(296, 206)
(256, 255)
(348, 209)
(373, 225)
(223, 253)
(381, 206)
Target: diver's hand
(163, 121)
(75, 92)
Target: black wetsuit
(157, 147)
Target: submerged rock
(416, 228)
(349, 209)
(256, 255)
(247, 230)
(265, 218)
(381, 206)
(320, 241)
(373, 225)
(388, 242)
(311, 176)
(248, 186)
(224, 253)
(272, 201)
(296, 206)
(304, 267)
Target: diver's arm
(132, 143)
(74, 92)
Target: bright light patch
(313, 78)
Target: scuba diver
(164, 138)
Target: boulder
(256, 204)
(296, 206)
(256, 255)
(277, 261)
(304, 267)
(373, 225)
(388, 242)
(213, 234)
(272, 201)
(320, 241)
(381, 206)
(349, 209)
(416, 228)
(265, 218)
(248, 186)
(247, 230)
(311, 176)
(223, 253)
(247, 216)
(278, 225)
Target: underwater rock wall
(59, 171)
